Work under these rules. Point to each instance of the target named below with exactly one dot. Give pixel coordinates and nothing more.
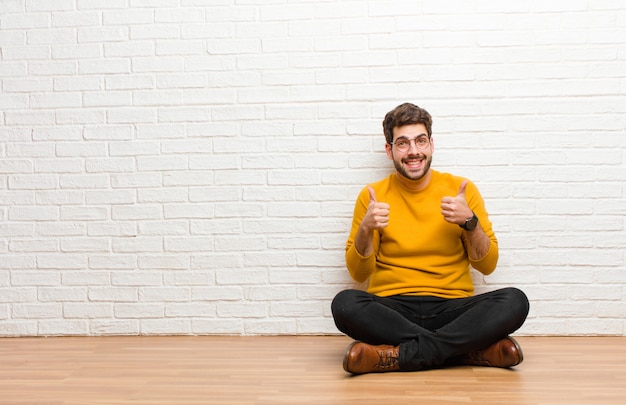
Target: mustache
(412, 157)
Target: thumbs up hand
(377, 215)
(455, 209)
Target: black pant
(430, 331)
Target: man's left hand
(455, 209)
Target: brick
(164, 228)
(106, 99)
(114, 327)
(241, 310)
(137, 245)
(87, 311)
(83, 213)
(62, 294)
(81, 278)
(165, 326)
(34, 278)
(76, 51)
(187, 244)
(216, 326)
(33, 245)
(164, 294)
(113, 294)
(264, 327)
(138, 311)
(218, 294)
(33, 213)
(112, 262)
(36, 311)
(163, 262)
(63, 328)
(190, 310)
(51, 36)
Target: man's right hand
(376, 218)
(377, 215)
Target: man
(415, 235)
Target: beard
(404, 171)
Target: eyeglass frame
(414, 141)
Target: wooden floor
(294, 370)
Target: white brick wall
(190, 166)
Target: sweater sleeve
(486, 264)
(360, 267)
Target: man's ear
(388, 150)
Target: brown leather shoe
(362, 358)
(504, 353)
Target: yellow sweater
(419, 253)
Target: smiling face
(413, 165)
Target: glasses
(403, 144)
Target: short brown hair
(406, 114)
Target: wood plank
(293, 370)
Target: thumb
(462, 188)
(372, 194)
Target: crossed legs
(429, 331)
